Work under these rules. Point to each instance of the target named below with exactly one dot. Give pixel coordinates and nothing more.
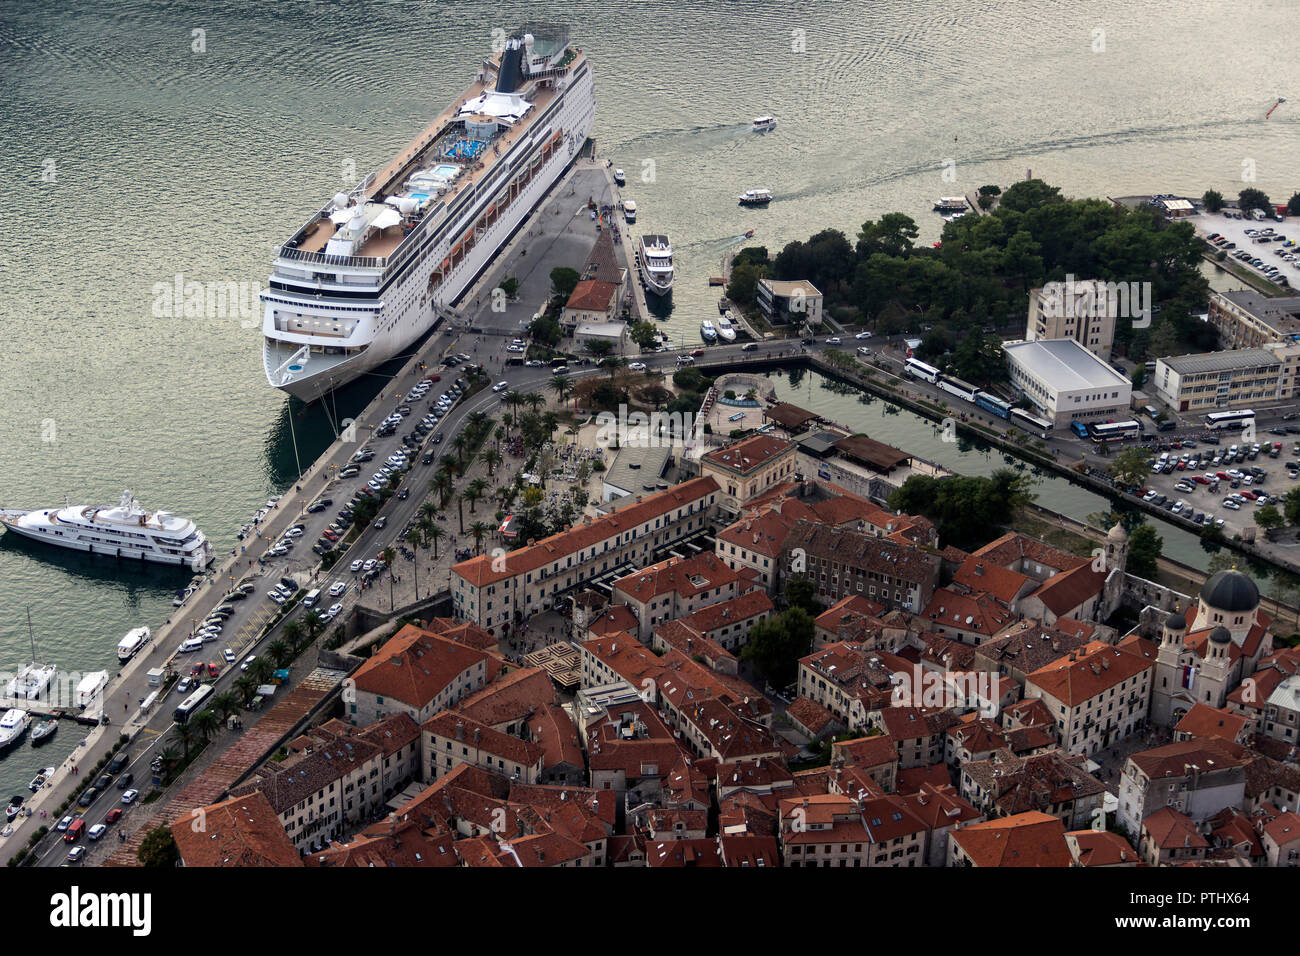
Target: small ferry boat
(708, 332)
(130, 645)
(619, 178)
(629, 210)
(951, 204)
(764, 123)
(726, 330)
(44, 732)
(756, 197)
(13, 725)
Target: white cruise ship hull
(375, 329)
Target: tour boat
(764, 123)
(629, 210)
(656, 262)
(13, 725)
(951, 204)
(756, 197)
(131, 643)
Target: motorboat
(764, 123)
(15, 807)
(41, 779)
(13, 725)
(44, 732)
(629, 210)
(620, 179)
(756, 197)
(951, 204)
(708, 332)
(726, 330)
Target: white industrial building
(1066, 382)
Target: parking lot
(1263, 244)
(1223, 483)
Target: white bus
(1101, 432)
(1031, 423)
(918, 369)
(955, 386)
(193, 704)
(1230, 420)
(312, 597)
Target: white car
(130, 795)
(97, 831)
(355, 566)
(500, 386)
(276, 596)
(229, 655)
(369, 565)
(863, 350)
(248, 662)
(864, 334)
(833, 340)
(294, 532)
(338, 588)
(636, 366)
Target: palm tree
(260, 670)
(613, 364)
(188, 735)
(428, 510)
(279, 651)
(206, 723)
(435, 532)
(500, 434)
(533, 400)
(442, 483)
(246, 687)
(561, 386)
(460, 443)
(573, 430)
(226, 703)
(292, 632)
(478, 529)
(313, 623)
(460, 509)
(414, 539)
(490, 457)
(478, 486)
(389, 556)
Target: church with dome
(1207, 649)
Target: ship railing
(324, 259)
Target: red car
(434, 378)
(196, 670)
(1252, 495)
(213, 669)
(331, 535)
(1222, 476)
(1181, 466)
(1201, 480)
(698, 352)
(113, 815)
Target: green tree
(1268, 517)
(1293, 205)
(800, 592)
(1252, 198)
(643, 334)
(1212, 200)
(563, 281)
(1291, 506)
(968, 510)
(510, 286)
(893, 235)
(776, 644)
(742, 286)
(1144, 550)
(1130, 467)
(158, 848)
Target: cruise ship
(125, 531)
(656, 261)
(377, 266)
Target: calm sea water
(130, 158)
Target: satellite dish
(406, 205)
(340, 200)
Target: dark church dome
(1230, 591)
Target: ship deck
(389, 180)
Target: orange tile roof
(615, 618)
(1074, 682)
(748, 456)
(509, 698)
(687, 577)
(1064, 592)
(241, 831)
(446, 723)
(980, 575)
(1171, 830)
(1025, 839)
(415, 665)
(591, 295)
(977, 611)
(479, 571)
(1101, 848)
(1206, 721)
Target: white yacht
(620, 178)
(378, 265)
(31, 682)
(13, 725)
(130, 645)
(764, 123)
(756, 197)
(708, 332)
(726, 331)
(126, 531)
(656, 261)
(951, 204)
(629, 210)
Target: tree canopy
(968, 510)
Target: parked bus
(991, 403)
(1031, 423)
(1101, 432)
(918, 369)
(1079, 428)
(1230, 420)
(955, 386)
(193, 704)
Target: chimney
(478, 732)
(460, 730)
